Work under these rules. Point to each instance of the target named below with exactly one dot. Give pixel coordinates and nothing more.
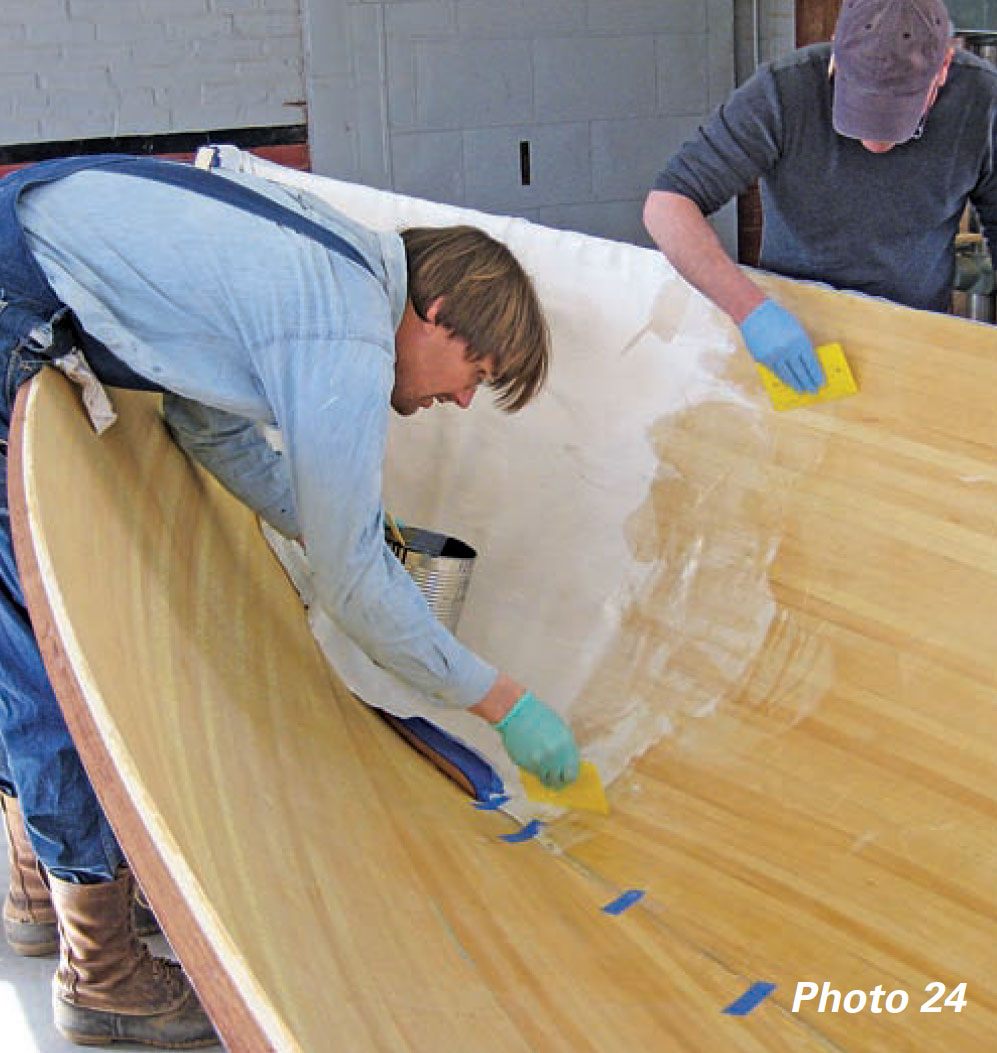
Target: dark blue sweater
(882, 224)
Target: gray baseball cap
(886, 54)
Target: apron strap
(235, 194)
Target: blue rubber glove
(537, 739)
(777, 340)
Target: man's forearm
(682, 233)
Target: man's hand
(537, 739)
(777, 340)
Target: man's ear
(944, 72)
(433, 311)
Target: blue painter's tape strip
(492, 804)
(525, 833)
(756, 993)
(484, 780)
(624, 902)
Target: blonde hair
(488, 301)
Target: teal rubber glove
(537, 739)
(777, 341)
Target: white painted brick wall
(74, 69)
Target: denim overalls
(38, 761)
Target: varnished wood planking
(832, 820)
(847, 834)
(341, 886)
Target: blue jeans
(38, 761)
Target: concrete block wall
(974, 14)
(561, 110)
(778, 28)
(558, 110)
(79, 69)
(763, 30)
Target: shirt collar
(396, 273)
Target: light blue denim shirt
(247, 323)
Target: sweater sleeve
(740, 142)
(984, 194)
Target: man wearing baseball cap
(866, 149)
(890, 60)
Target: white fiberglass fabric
(622, 567)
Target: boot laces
(163, 970)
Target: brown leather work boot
(108, 987)
(28, 916)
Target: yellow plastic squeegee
(838, 384)
(585, 793)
